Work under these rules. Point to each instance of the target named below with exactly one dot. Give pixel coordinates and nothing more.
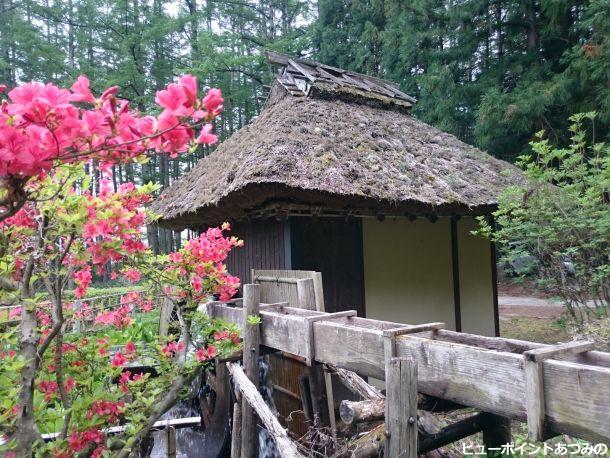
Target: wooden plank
(285, 446)
(178, 423)
(401, 408)
(310, 343)
(261, 278)
(576, 395)
(302, 69)
(329, 75)
(306, 294)
(534, 382)
(557, 351)
(576, 400)
(403, 330)
(251, 343)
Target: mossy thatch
(332, 154)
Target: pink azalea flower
(206, 136)
(80, 91)
(118, 360)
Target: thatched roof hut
(340, 142)
(337, 176)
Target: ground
(528, 314)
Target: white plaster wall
(407, 270)
(476, 287)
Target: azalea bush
(561, 218)
(70, 369)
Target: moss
(293, 138)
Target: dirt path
(528, 306)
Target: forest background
(492, 72)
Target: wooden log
(427, 423)
(401, 408)
(358, 411)
(454, 432)
(251, 342)
(371, 444)
(356, 383)
(285, 446)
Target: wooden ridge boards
(575, 390)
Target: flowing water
(266, 444)
(190, 442)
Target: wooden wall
(332, 246)
(264, 248)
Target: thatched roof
(334, 148)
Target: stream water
(190, 442)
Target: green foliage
(492, 73)
(561, 217)
(254, 320)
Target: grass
(544, 330)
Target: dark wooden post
(251, 343)
(170, 436)
(401, 407)
(236, 430)
(496, 432)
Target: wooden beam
(178, 423)
(310, 343)
(534, 383)
(489, 380)
(401, 408)
(285, 446)
(557, 351)
(251, 343)
(451, 433)
(356, 384)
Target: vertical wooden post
(236, 431)
(251, 343)
(170, 436)
(78, 325)
(328, 383)
(401, 408)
